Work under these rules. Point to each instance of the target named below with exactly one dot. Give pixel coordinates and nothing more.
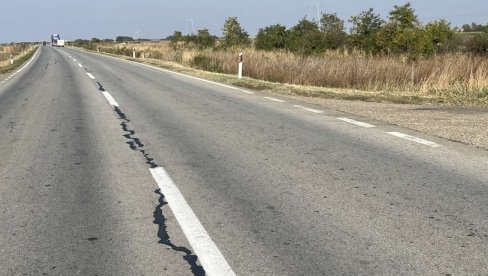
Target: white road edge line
(275, 99)
(110, 99)
(23, 67)
(246, 91)
(90, 75)
(308, 109)
(181, 74)
(414, 139)
(74, 60)
(79, 64)
(358, 123)
(207, 252)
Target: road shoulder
(455, 123)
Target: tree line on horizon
(401, 33)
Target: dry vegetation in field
(20, 52)
(398, 58)
(11, 49)
(450, 75)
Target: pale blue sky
(35, 20)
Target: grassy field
(447, 78)
(20, 53)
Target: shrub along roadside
(401, 34)
(448, 79)
(396, 56)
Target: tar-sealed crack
(159, 219)
(164, 238)
(100, 86)
(134, 142)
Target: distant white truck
(56, 40)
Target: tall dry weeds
(451, 75)
(14, 50)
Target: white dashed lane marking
(308, 109)
(358, 123)
(79, 64)
(90, 76)
(208, 253)
(246, 91)
(274, 99)
(415, 139)
(110, 99)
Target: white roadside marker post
(11, 59)
(133, 53)
(239, 74)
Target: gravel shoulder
(461, 124)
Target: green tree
(404, 17)
(123, 39)
(95, 40)
(435, 36)
(364, 28)
(271, 38)
(402, 33)
(333, 28)
(234, 34)
(306, 38)
(204, 39)
(474, 27)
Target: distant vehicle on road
(56, 40)
(44, 43)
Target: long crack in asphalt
(159, 219)
(164, 238)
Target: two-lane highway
(74, 198)
(276, 187)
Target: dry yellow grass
(454, 76)
(20, 53)
(15, 50)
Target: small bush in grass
(206, 63)
(479, 43)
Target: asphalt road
(280, 187)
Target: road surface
(115, 168)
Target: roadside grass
(19, 59)
(454, 79)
